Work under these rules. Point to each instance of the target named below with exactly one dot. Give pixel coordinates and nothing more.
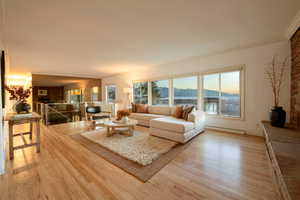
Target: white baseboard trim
(237, 131)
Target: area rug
(158, 152)
(140, 148)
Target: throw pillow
(178, 112)
(133, 107)
(141, 108)
(186, 111)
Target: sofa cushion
(144, 116)
(172, 124)
(160, 110)
(178, 112)
(186, 111)
(141, 108)
(133, 107)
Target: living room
(150, 99)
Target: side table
(15, 119)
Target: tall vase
(277, 117)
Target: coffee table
(119, 127)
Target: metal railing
(56, 113)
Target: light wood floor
(215, 166)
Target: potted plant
(20, 95)
(275, 73)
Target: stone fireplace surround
(295, 80)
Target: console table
(15, 119)
(283, 148)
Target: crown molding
(293, 27)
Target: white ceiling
(105, 37)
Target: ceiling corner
(293, 27)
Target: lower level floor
(215, 166)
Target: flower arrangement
(18, 93)
(122, 113)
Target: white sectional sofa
(162, 124)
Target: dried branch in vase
(275, 73)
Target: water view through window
(185, 90)
(221, 92)
(140, 92)
(211, 93)
(111, 93)
(160, 92)
(230, 94)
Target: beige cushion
(172, 124)
(172, 109)
(144, 116)
(160, 110)
(196, 116)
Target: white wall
(258, 94)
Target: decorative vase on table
(125, 119)
(277, 117)
(22, 107)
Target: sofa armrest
(197, 116)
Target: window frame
(170, 86)
(106, 93)
(133, 98)
(241, 69)
(200, 93)
(197, 88)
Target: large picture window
(160, 92)
(111, 93)
(221, 94)
(185, 90)
(140, 92)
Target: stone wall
(295, 80)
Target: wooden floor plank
(215, 166)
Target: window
(95, 93)
(221, 94)
(160, 92)
(211, 93)
(140, 92)
(185, 90)
(74, 96)
(230, 94)
(111, 93)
